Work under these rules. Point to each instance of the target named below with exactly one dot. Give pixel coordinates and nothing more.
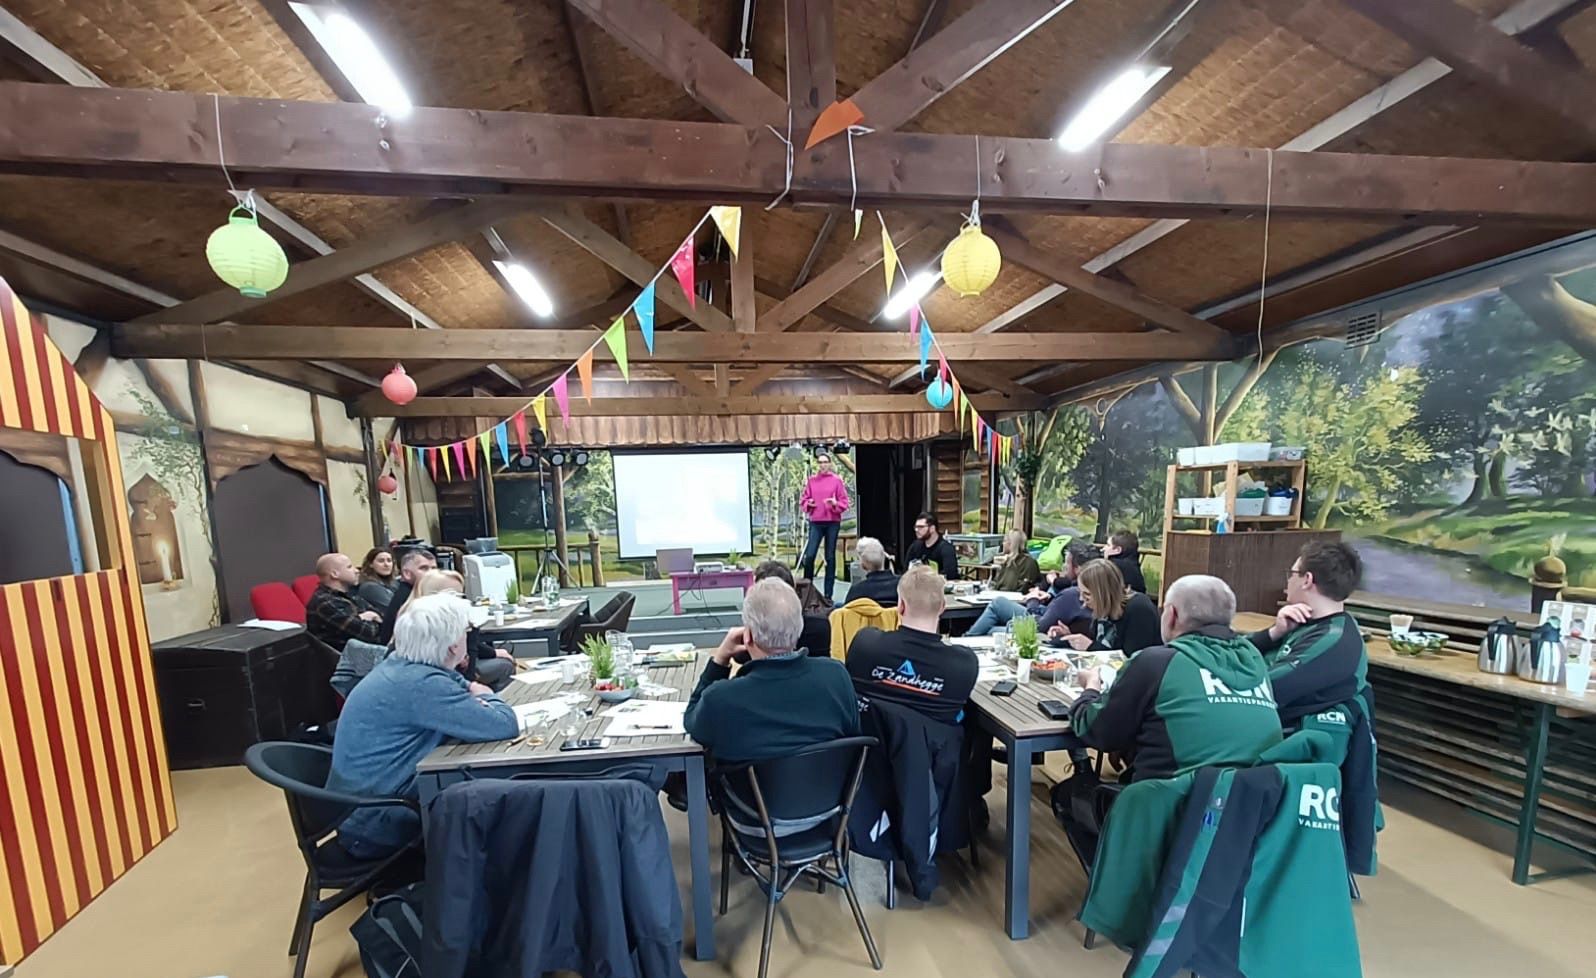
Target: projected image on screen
(682, 499)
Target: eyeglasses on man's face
(1295, 572)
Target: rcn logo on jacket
(1218, 692)
(1319, 807)
(907, 677)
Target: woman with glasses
(1122, 619)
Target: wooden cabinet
(1254, 564)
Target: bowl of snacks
(1416, 643)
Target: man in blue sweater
(399, 713)
(781, 700)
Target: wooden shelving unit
(1231, 472)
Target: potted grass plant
(1027, 646)
(601, 658)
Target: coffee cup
(1400, 624)
(1576, 675)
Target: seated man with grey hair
(878, 584)
(404, 708)
(781, 700)
(1201, 698)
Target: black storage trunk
(226, 688)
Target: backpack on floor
(389, 934)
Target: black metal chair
(301, 771)
(615, 615)
(788, 816)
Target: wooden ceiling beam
(945, 59)
(310, 146)
(672, 47)
(640, 271)
(1116, 293)
(374, 251)
(743, 306)
(27, 49)
(731, 405)
(1470, 45)
(861, 257)
(579, 47)
(811, 60)
(182, 340)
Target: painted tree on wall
(1119, 477)
(172, 452)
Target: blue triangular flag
(644, 310)
(925, 345)
(503, 438)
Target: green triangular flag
(487, 452)
(615, 339)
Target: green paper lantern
(245, 257)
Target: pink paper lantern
(387, 484)
(398, 386)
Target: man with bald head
(334, 613)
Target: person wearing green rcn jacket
(1315, 652)
(1201, 698)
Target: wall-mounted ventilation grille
(1362, 330)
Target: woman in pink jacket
(824, 500)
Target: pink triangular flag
(459, 458)
(519, 420)
(562, 396)
(682, 264)
(914, 320)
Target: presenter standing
(824, 500)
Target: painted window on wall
(51, 523)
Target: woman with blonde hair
(1122, 619)
(1017, 569)
(486, 663)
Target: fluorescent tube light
(917, 288)
(356, 55)
(1106, 107)
(527, 286)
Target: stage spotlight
(524, 462)
(557, 458)
(539, 439)
(773, 452)
(840, 448)
(580, 457)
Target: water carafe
(1499, 649)
(1540, 660)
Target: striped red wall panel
(84, 787)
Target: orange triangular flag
(584, 370)
(837, 117)
(471, 454)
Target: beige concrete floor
(218, 899)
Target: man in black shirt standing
(931, 547)
(913, 666)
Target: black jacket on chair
(525, 877)
(900, 814)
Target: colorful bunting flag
(584, 373)
(540, 407)
(487, 448)
(502, 436)
(459, 458)
(644, 309)
(942, 367)
(683, 266)
(835, 118)
(562, 396)
(444, 451)
(730, 222)
(914, 319)
(432, 462)
(925, 347)
(519, 420)
(889, 256)
(471, 454)
(615, 339)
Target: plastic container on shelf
(1277, 506)
(1186, 456)
(1207, 506)
(1288, 453)
(1250, 505)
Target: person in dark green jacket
(1202, 698)
(1317, 660)
(781, 700)
(1017, 569)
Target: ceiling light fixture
(356, 55)
(527, 286)
(1108, 105)
(917, 288)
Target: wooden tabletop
(1437, 610)
(1447, 665)
(1018, 714)
(524, 615)
(680, 677)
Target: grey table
(455, 762)
(1020, 726)
(529, 624)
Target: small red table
(695, 581)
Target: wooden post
(202, 427)
(598, 558)
(557, 497)
(489, 499)
(379, 535)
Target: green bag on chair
(1052, 557)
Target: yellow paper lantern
(245, 257)
(971, 263)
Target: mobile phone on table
(1004, 687)
(1054, 709)
(586, 743)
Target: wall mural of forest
(779, 527)
(1455, 451)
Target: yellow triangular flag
(889, 256)
(444, 451)
(541, 410)
(615, 339)
(730, 222)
